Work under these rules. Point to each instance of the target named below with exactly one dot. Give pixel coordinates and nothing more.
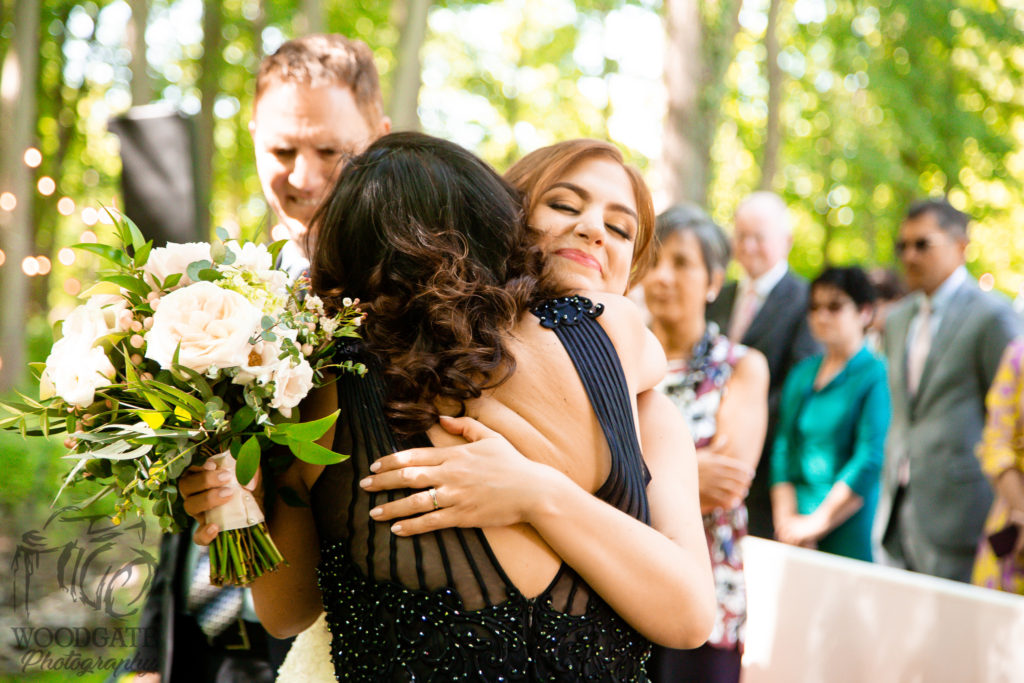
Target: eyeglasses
(831, 306)
(920, 245)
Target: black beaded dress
(438, 606)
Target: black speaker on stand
(158, 174)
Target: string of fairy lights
(46, 186)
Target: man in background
(317, 103)
(943, 344)
(767, 310)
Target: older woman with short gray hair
(721, 388)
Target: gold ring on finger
(433, 497)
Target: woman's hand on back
(483, 483)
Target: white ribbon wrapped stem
(241, 510)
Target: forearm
(659, 585)
(838, 506)
(783, 496)
(288, 600)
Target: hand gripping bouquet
(181, 355)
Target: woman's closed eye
(620, 231)
(565, 208)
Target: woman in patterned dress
(721, 389)
(1000, 561)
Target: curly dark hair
(433, 242)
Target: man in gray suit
(943, 345)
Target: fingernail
(396, 528)
(209, 465)
(446, 417)
(365, 483)
(213, 529)
(376, 512)
(375, 467)
(225, 493)
(224, 476)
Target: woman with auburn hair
(557, 566)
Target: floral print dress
(696, 386)
(1002, 449)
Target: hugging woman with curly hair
(496, 518)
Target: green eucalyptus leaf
(242, 418)
(248, 460)
(314, 453)
(116, 256)
(309, 431)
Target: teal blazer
(835, 434)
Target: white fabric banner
(816, 617)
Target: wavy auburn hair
(434, 244)
(535, 173)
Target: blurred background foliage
(848, 108)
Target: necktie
(744, 315)
(919, 347)
(214, 608)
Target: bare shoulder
(752, 368)
(639, 350)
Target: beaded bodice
(438, 606)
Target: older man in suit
(943, 345)
(766, 311)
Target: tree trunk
(773, 128)
(142, 84)
(209, 87)
(17, 119)
(312, 18)
(697, 55)
(405, 89)
(686, 143)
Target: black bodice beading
(383, 631)
(438, 606)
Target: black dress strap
(574, 320)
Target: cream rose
(212, 325)
(174, 258)
(291, 384)
(251, 256)
(75, 369)
(99, 316)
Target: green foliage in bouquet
(179, 354)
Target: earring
(712, 296)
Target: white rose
(291, 384)
(174, 258)
(75, 370)
(260, 363)
(251, 256)
(99, 316)
(213, 326)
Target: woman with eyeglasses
(834, 415)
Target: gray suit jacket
(948, 496)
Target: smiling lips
(580, 257)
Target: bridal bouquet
(181, 355)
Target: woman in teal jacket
(835, 411)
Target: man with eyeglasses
(767, 310)
(943, 344)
